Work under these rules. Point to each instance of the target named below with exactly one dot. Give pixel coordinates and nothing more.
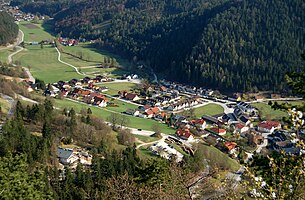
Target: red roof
(198, 121)
(184, 133)
(239, 126)
(218, 130)
(155, 110)
(268, 124)
(130, 96)
(163, 88)
(230, 145)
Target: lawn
(44, 65)
(210, 109)
(121, 106)
(267, 113)
(146, 139)
(135, 122)
(35, 33)
(114, 88)
(4, 54)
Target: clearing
(210, 109)
(267, 113)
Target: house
(268, 126)
(161, 116)
(132, 112)
(241, 128)
(219, 131)
(200, 123)
(185, 134)
(66, 156)
(132, 97)
(144, 108)
(231, 147)
(149, 113)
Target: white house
(268, 126)
(240, 128)
(66, 156)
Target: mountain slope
(230, 45)
(8, 28)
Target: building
(132, 97)
(231, 147)
(185, 134)
(219, 131)
(240, 128)
(200, 123)
(66, 156)
(268, 126)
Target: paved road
(150, 143)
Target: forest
(8, 28)
(228, 45)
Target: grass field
(114, 88)
(135, 122)
(4, 54)
(34, 34)
(146, 139)
(267, 113)
(210, 109)
(43, 63)
(121, 106)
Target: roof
(163, 88)
(268, 124)
(198, 121)
(64, 153)
(230, 145)
(149, 112)
(239, 126)
(218, 130)
(155, 110)
(130, 96)
(147, 106)
(186, 133)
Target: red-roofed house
(268, 126)
(219, 131)
(132, 97)
(231, 147)
(149, 113)
(240, 128)
(185, 134)
(198, 123)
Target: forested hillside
(8, 28)
(230, 45)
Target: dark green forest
(229, 45)
(8, 28)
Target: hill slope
(231, 45)
(8, 28)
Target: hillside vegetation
(8, 28)
(232, 45)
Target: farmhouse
(240, 128)
(185, 134)
(219, 131)
(268, 126)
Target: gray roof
(64, 153)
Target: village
(238, 131)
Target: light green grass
(267, 113)
(44, 65)
(135, 122)
(121, 106)
(210, 109)
(34, 35)
(4, 54)
(146, 139)
(114, 88)
(5, 106)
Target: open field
(32, 34)
(146, 139)
(44, 65)
(121, 106)
(114, 88)
(267, 113)
(210, 109)
(135, 122)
